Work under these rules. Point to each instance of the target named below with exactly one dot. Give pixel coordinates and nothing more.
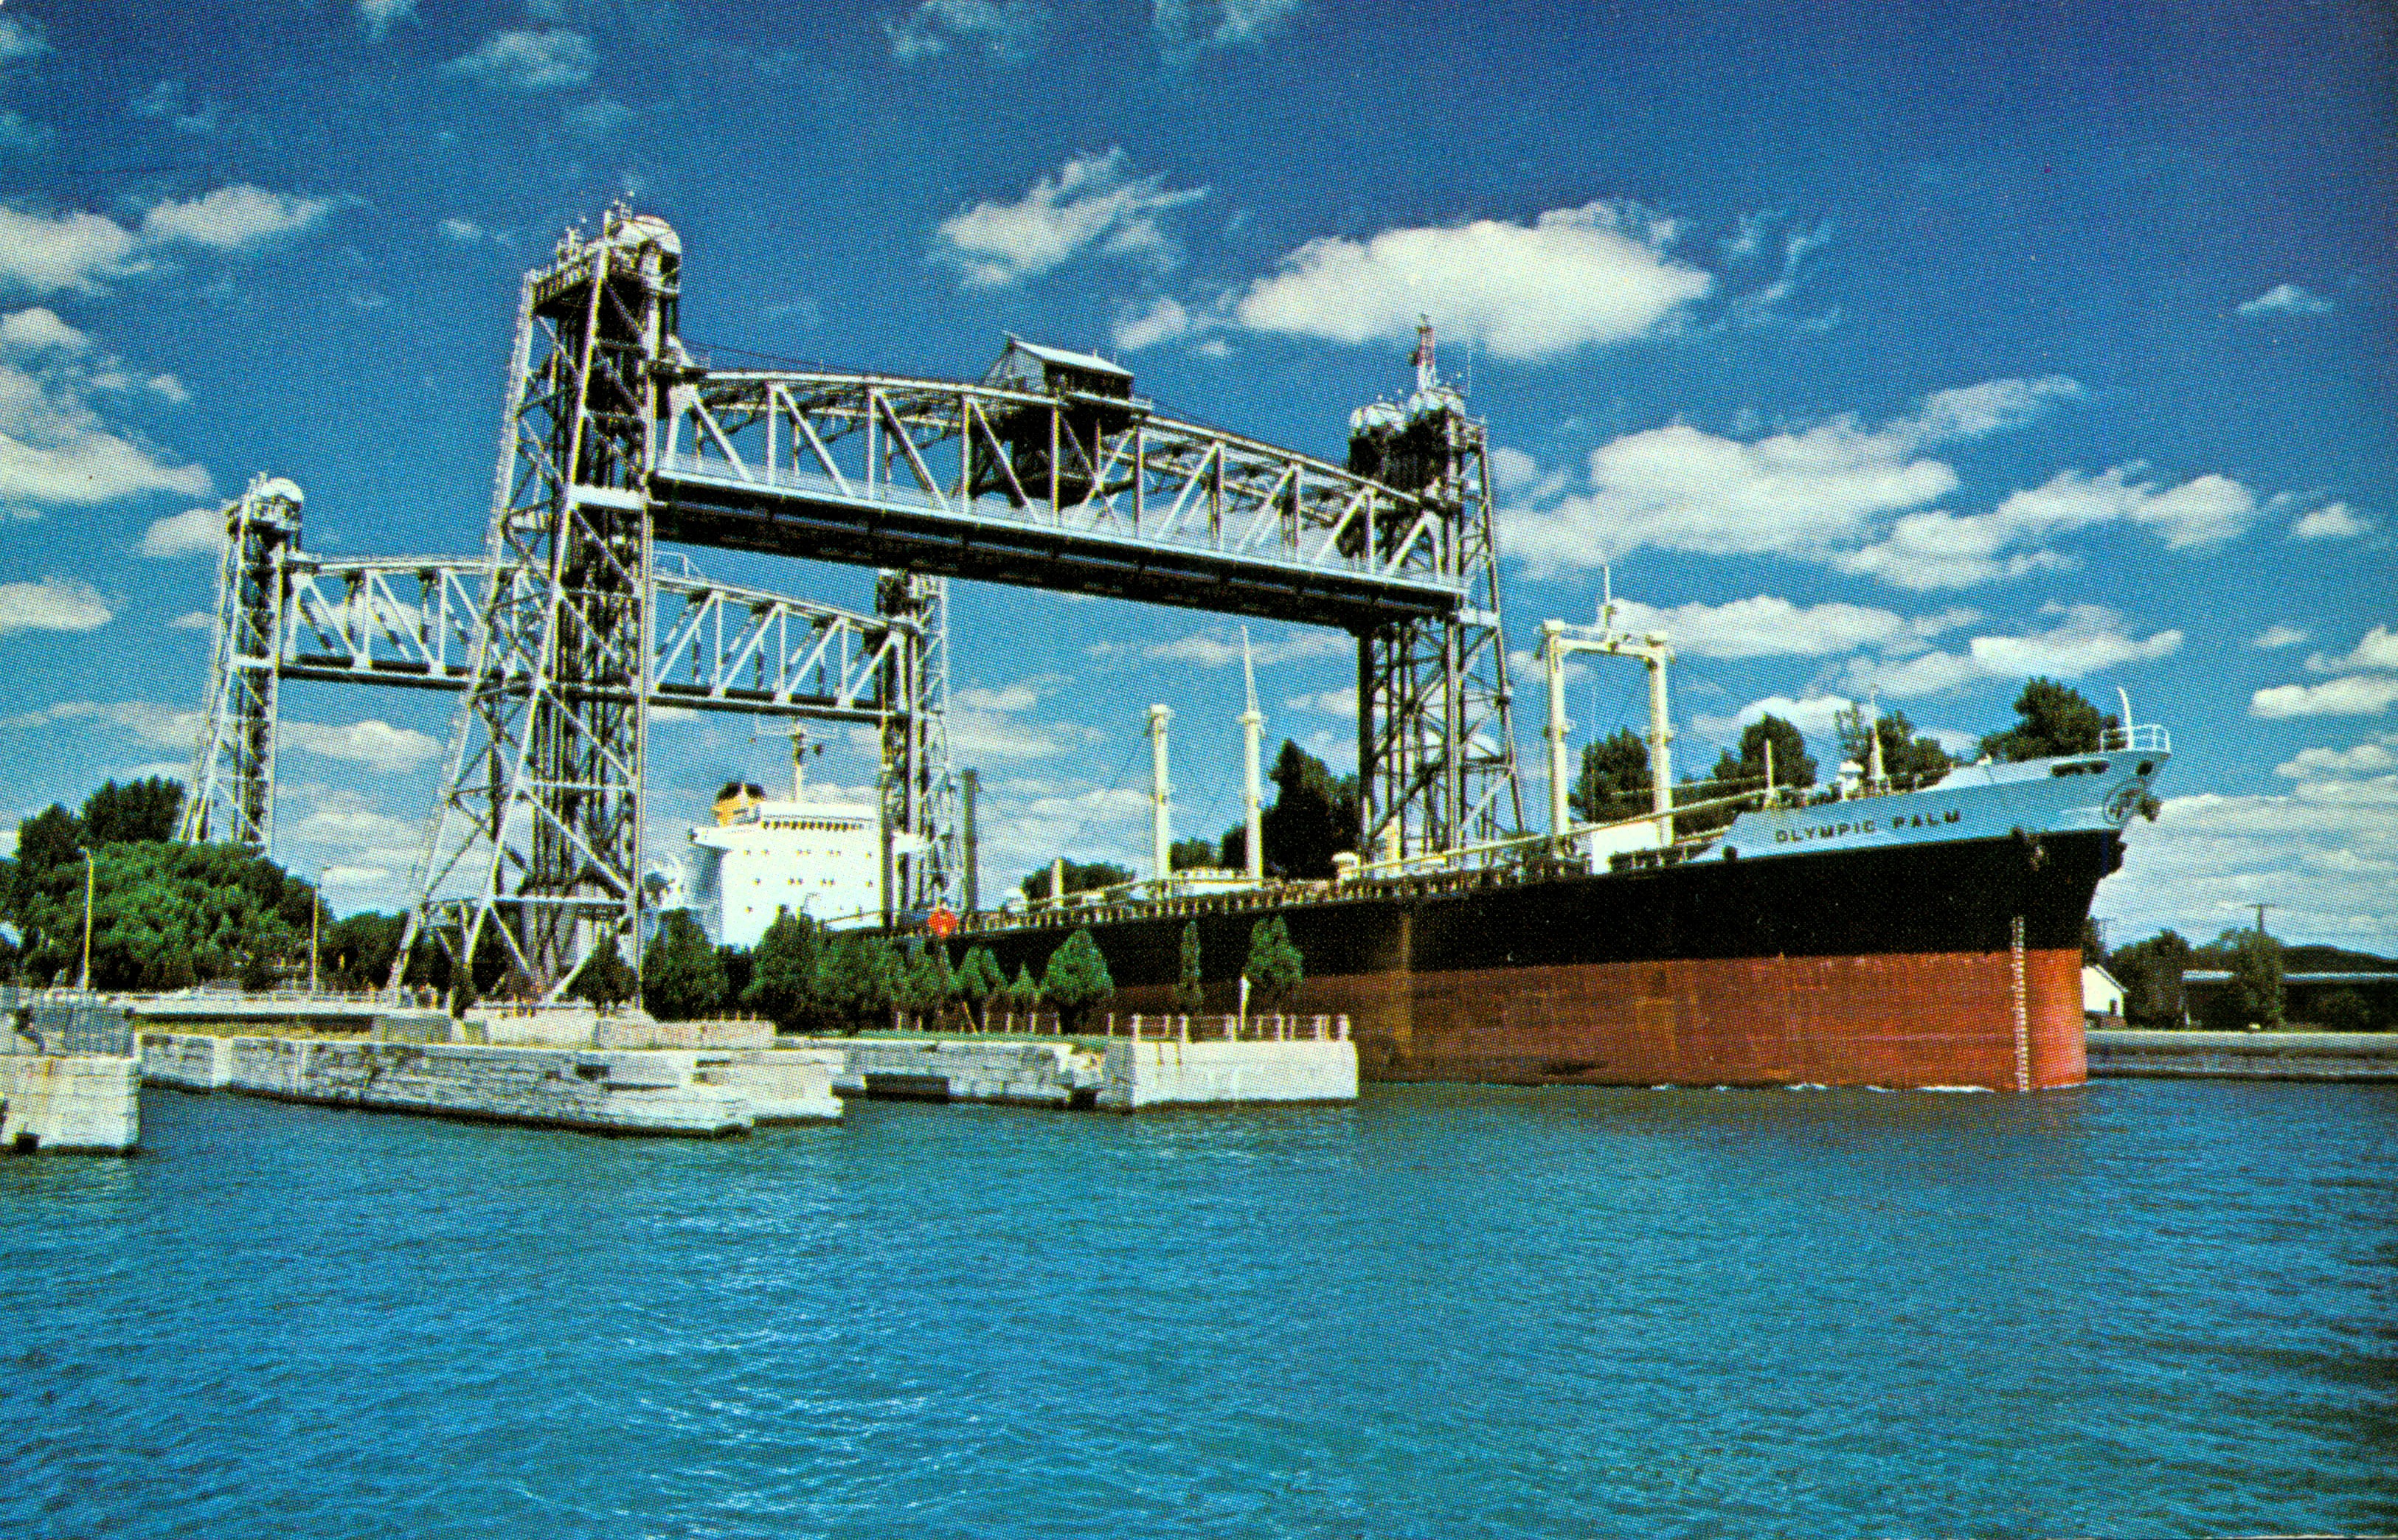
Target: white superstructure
(817, 856)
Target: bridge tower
(1435, 738)
(233, 765)
(919, 789)
(536, 845)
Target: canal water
(2141, 1308)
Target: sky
(1888, 353)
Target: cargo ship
(1868, 936)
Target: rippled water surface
(2140, 1309)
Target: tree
(739, 964)
(784, 972)
(2094, 949)
(605, 980)
(1274, 969)
(136, 811)
(2343, 1011)
(163, 916)
(1233, 850)
(2051, 718)
(1313, 817)
(357, 952)
(1023, 994)
(2151, 973)
(1187, 997)
(2257, 979)
(1613, 784)
(924, 985)
(858, 980)
(1077, 979)
(681, 979)
(1792, 764)
(1906, 756)
(1080, 877)
(1183, 855)
(979, 979)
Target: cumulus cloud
(60, 254)
(166, 102)
(158, 726)
(2085, 639)
(194, 620)
(2205, 510)
(524, 59)
(373, 743)
(1573, 277)
(1187, 26)
(2325, 851)
(463, 231)
(193, 531)
(1813, 493)
(52, 604)
(1766, 627)
(378, 16)
(2287, 299)
(55, 446)
(597, 117)
(1816, 716)
(1093, 202)
(2378, 650)
(75, 252)
(1341, 702)
(2358, 694)
(233, 219)
(1162, 319)
(2376, 756)
(1002, 29)
(2277, 636)
(2333, 521)
(1218, 646)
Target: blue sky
(1883, 351)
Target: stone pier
(69, 1103)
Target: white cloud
(63, 253)
(21, 40)
(52, 604)
(597, 117)
(2278, 635)
(378, 16)
(1185, 26)
(1338, 703)
(375, 744)
(1161, 321)
(2085, 640)
(2378, 650)
(166, 102)
(193, 531)
(194, 620)
(1092, 202)
(20, 132)
(2326, 853)
(2205, 510)
(523, 60)
(1765, 627)
(39, 330)
(1574, 278)
(1816, 716)
(1003, 29)
(463, 231)
(55, 448)
(1218, 646)
(233, 219)
(158, 726)
(2376, 756)
(2334, 521)
(2287, 299)
(2358, 694)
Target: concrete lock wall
(685, 1093)
(1012, 1073)
(1164, 1073)
(70, 1104)
(2245, 1055)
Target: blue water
(2143, 1308)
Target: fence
(64, 1020)
(1228, 1028)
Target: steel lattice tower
(920, 787)
(233, 765)
(1436, 737)
(540, 818)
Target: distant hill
(2301, 959)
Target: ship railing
(2147, 737)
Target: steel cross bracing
(1072, 492)
(233, 764)
(416, 621)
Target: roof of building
(1068, 358)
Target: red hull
(1896, 1020)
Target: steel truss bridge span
(415, 621)
(1074, 492)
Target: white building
(2101, 995)
(813, 856)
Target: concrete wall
(68, 1104)
(1164, 1073)
(1018, 1074)
(684, 1093)
(2245, 1055)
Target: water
(2144, 1308)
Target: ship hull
(1955, 964)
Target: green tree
(1738, 771)
(1080, 877)
(1188, 995)
(136, 811)
(1907, 756)
(2257, 979)
(606, 981)
(1313, 817)
(1233, 850)
(2343, 1011)
(1274, 969)
(739, 964)
(163, 916)
(979, 980)
(858, 980)
(784, 972)
(1023, 994)
(1183, 855)
(1076, 979)
(681, 979)
(1613, 783)
(924, 986)
(2151, 972)
(357, 950)
(2051, 718)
